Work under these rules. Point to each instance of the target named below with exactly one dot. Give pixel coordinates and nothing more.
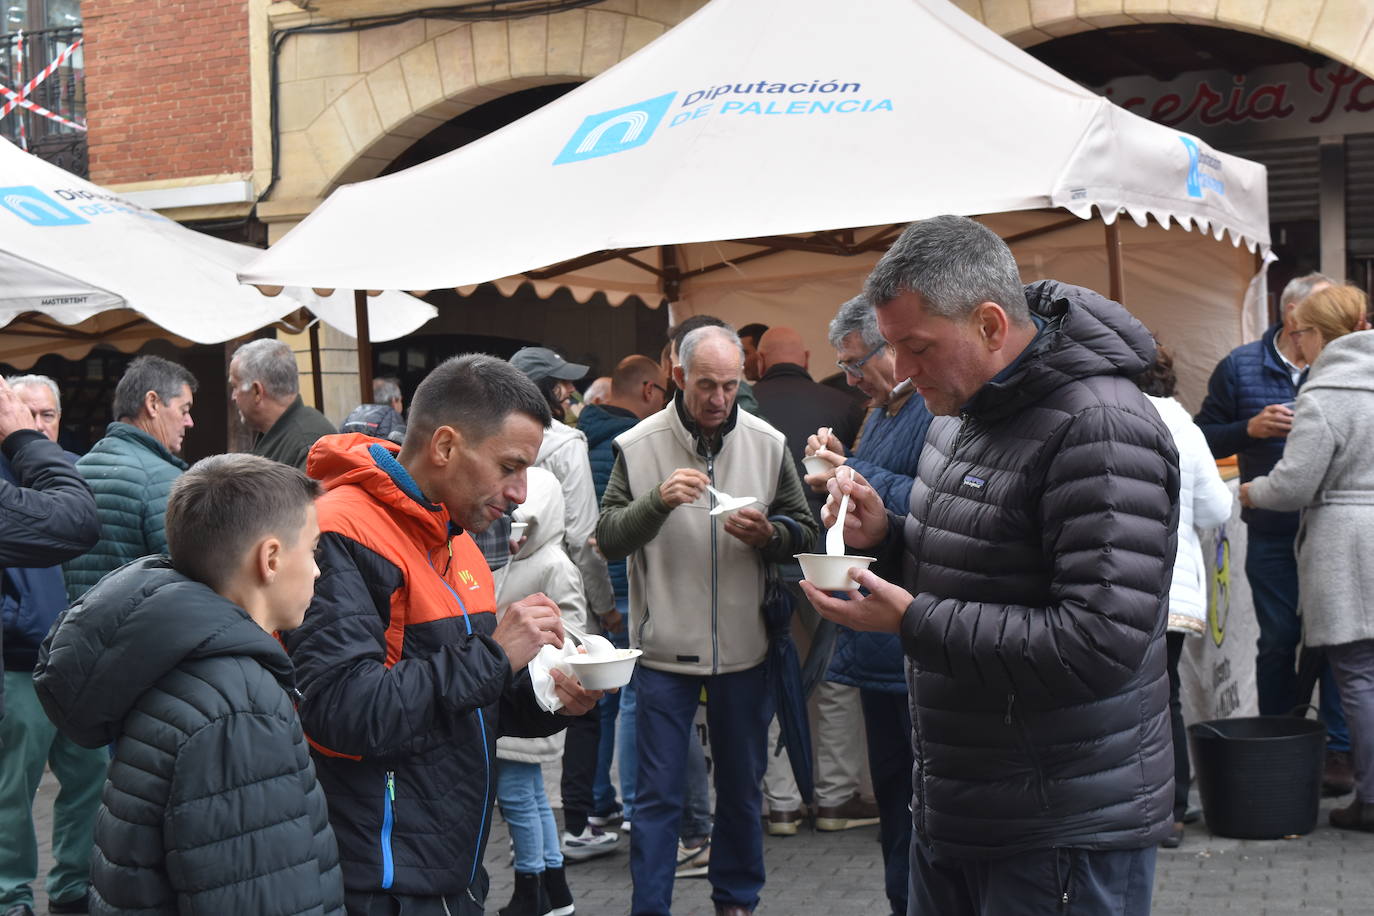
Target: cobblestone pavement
(1327, 873)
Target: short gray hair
(953, 263)
(856, 317)
(1299, 288)
(385, 390)
(272, 363)
(700, 336)
(149, 373)
(33, 381)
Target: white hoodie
(541, 566)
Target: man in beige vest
(696, 583)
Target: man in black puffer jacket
(1036, 560)
(212, 806)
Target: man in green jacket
(265, 387)
(696, 586)
(131, 470)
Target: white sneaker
(592, 842)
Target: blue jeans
(617, 707)
(737, 712)
(1271, 566)
(696, 809)
(533, 831)
(1036, 883)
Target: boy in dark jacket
(212, 805)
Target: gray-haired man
(1036, 561)
(264, 385)
(132, 468)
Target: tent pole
(1115, 275)
(317, 376)
(364, 346)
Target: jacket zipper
(920, 542)
(486, 748)
(715, 640)
(388, 820)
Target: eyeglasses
(661, 390)
(856, 368)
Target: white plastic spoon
(727, 503)
(834, 538)
(595, 645)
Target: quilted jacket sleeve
(1219, 417)
(50, 517)
(1109, 511)
(354, 704)
(239, 832)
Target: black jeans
(580, 750)
(1183, 776)
(887, 723)
(1038, 883)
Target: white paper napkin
(549, 658)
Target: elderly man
(384, 418)
(1248, 413)
(696, 584)
(889, 444)
(407, 676)
(62, 523)
(41, 395)
(132, 468)
(264, 385)
(1036, 561)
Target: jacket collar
(371, 465)
(1084, 335)
(786, 370)
(130, 433)
(1269, 351)
(286, 419)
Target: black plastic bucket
(1260, 778)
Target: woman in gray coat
(1326, 472)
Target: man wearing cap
(564, 452)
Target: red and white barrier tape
(20, 99)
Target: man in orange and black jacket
(407, 676)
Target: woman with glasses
(1326, 472)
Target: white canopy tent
(774, 122)
(80, 265)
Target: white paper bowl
(517, 530)
(815, 464)
(597, 672)
(831, 574)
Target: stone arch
(350, 102)
(1342, 31)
